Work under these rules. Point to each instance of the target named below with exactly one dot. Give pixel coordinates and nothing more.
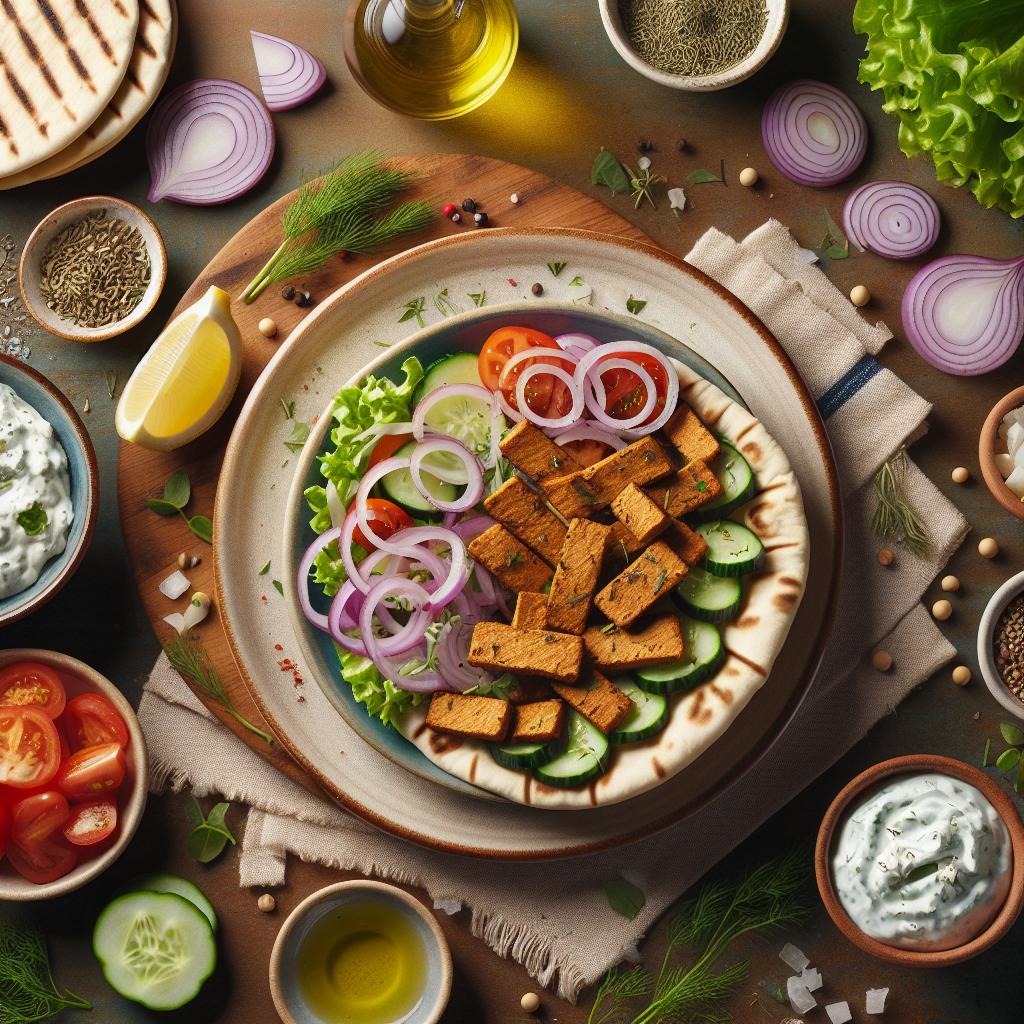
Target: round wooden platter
(154, 542)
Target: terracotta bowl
(283, 979)
(77, 678)
(987, 445)
(986, 658)
(51, 226)
(870, 779)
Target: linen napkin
(554, 918)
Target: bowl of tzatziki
(49, 490)
(920, 861)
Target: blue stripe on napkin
(848, 385)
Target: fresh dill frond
(619, 985)
(894, 517)
(27, 989)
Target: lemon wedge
(185, 381)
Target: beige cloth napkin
(554, 918)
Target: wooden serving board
(154, 542)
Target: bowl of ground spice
(695, 45)
(92, 269)
(1001, 645)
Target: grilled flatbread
(752, 641)
(145, 77)
(61, 61)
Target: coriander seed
(960, 475)
(950, 583)
(859, 295)
(988, 547)
(267, 327)
(266, 903)
(530, 1002)
(748, 177)
(469, 205)
(942, 610)
(961, 675)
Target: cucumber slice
(708, 597)
(155, 948)
(738, 485)
(181, 887)
(521, 757)
(466, 419)
(585, 756)
(703, 657)
(399, 486)
(733, 550)
(648, 717)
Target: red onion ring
(893, 219)
(813, 133)
(467, 529)
(559, 374)
(474, 472)
(588, 430)
(302, 581)
(596, 397)
(577, 344)
(409, 635)
(289, 75)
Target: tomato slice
(5, 828)
(544, 395)
(32, 684)
(91, 771)
(91, 718)
(91, 823)
(36, 848)
(29, 747)
(386, 447)
(386, 518)
(625, 393)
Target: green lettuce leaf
(952, 72)
(381, 698)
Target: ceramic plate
(337, 342)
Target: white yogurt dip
(923, 862)
(35, 494)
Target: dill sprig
(188, 657)
(619, 985)
(894, 517)
(27, 989)
(341, 212)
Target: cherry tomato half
(32, 684)
(90, 718)
(36, 848)
(544, 395)
(91, 823)
(5, 827)
(386, 447)
(625, 393)
(92, 771)
(29, 748)
(386, 519)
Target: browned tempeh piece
(601, 703)
(690, 437)
(691, 547)
(639, 514)
(534, 454)
(527, 690)
(640, 584)
(576, 576)
(531, 611)
(622, 546)
(510, 560)
(539, 722)
(617, 650)
(694, 485)
(524, 513)
(586, 492)
(535, 652)
(484, 718)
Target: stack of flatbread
(77, 76)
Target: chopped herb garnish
(609, 627)
(635, 306)
(624, 897)
(298, 436)
(584, 492)
(986, 753)
(444, 304)
(288, 408)
(414, 308)
(641, 184)
(33, 520)
(609, 172)
(265, 569)
(576, 282)
(383, 344)
(556, 462)
(702, 177)
(556, 267)
(479, 298)
(701, 485)
(278, 586)
(111, 377)
(515, 556)
(576, 599)
(660, 581)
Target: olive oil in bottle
(432, 59)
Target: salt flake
(175, 585)
(793, 957)
(839, 1013)
(799, 998)
(811, 978)
(676, 199)
(874, 1002)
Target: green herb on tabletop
(479, 298)
(641, 183)
(177, 494)
(894, 517)
(1012, 757)
(189, 658)
(341, 211)
(834, 242)
(624, 897)
(33, 520)
(297, 438)
(618, 989)
(210, 832)
(986, 753)
(635, 306)
(609, 172)
(700, 177)
(28, 992)
(556, 267)
(111, 377)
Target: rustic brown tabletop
(568, 94)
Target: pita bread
(753, 640)
(62, 62)
(145, 77)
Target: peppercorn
(456, 217)
(538, 288)
(469, 205)
(886, 556)
(645, 145)
(288, 293)
(481, 219)
(682, 145)
(448, 209)
(303, 299)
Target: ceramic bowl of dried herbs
(695, 45)
(92, 269)
(1001, 645)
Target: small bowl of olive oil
(360, 953)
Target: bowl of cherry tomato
(73, 774)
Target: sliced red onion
(891, 218)
(289, 75)
(965, 314)
(452, 654)
(539, 354)
(513, 414)
(558, 422)
(467, 529)
(408, 636)
(588, 430)
(474, 474)
(597, 398)
(343, 616)
(209, 141)
(577, 344)
(813, 133)
(302, 577)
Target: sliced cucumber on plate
(709, 598)
(463, 417)
(703, 657)
(585, 756)
(733, 549)
(400, 488)
(521, 757)
(738, 485)
(647, 717)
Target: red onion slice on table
(965, 314)
(813, 133)
(289, 75)
(209, 141)
(891, 218)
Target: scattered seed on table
(682, 146)
(882, 660)
(266, 903)
(960, 475)
(288, 293)
(644, 163)
(456, 217)
(988, 547)
(469, 205)
(481, 219)
(537, 288)
(961, 675)
(184, 562)
(942, 610)
(303, 299)
(448, 209)
(950, 583)
(886, 556)
(748, 176)
(859, 295)
(530, 1002)
(645, 145)
(267, 327)
(514, 199)
(87, 407)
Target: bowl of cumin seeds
(1001, 645)
(92, 269)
